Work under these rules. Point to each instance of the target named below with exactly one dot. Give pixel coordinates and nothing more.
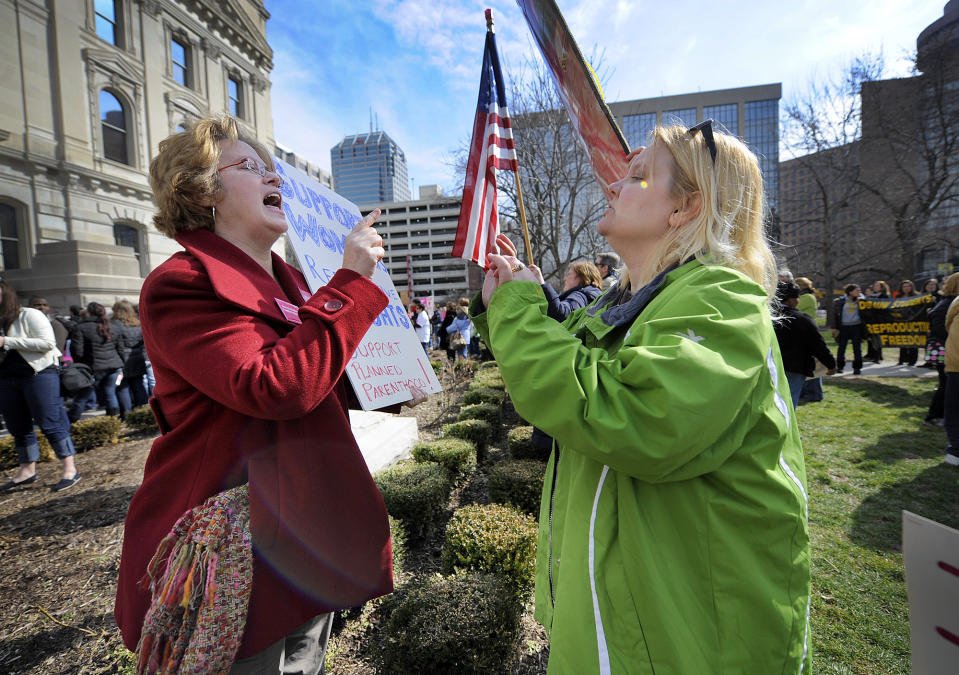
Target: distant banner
(577, 86)
(898, 322)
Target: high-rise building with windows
(92, 87)
(751, 113)
(370, 169)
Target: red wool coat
(234, 378)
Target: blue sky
(417, 62)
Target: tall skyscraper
(370, 169)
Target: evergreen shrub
(476, 432)
(484, 395)
(495, 539)
(488, 379)
(457, 455)
(518, 482)
(8, 451)
(416, 493)
(488, 365)
(398, 540)
(457, 624)
(520, 443)
(488, 412)
(141, 419)
(96, 431)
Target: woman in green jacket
(673, 530)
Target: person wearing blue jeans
(30, 390)
(847, 326)
(104, 388)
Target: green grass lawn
(868, 457)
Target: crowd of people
(54, 367)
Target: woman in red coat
(249, 386)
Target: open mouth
(273, 200)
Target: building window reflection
(684, 116)
(761, 133)
(235, 94)
(106, 17)
(636, 128)
(9, 237)
(180, 62)
(726, 115)
(113, 123)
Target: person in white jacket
(30, 390)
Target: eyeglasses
(706, 126)
(260, 170)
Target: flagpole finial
(489, 19)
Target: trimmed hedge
(476, 432)
(416, 493)
(457, 455)
(518, 482)
(458, 624)
(398, 540)
(141, 419)
(495, 539)
(488, 412)
(8, 451)
(488, 365)
(520, 443)
(488, 379)
(484, 395)
(96, 431)
(464, 367)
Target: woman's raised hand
(503, 269)
(363, 247)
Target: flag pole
(519, 189)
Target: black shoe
(856, 371)
(951, 456)
(10, 484)
(66, 483)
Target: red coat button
(332, 305)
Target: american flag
(491, 149)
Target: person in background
(672, 539)
(101, 344)
(800, 341)
(448, 317)
(462, 324)
(61, 332)
(847, 325)
(784, 275)
(607, 263)
(951, 398)
(581, 285)
(30, 391)
(435, 322)
(936, 347)
(932, 286)
(808, 304)
(880, 291)
(421, 325)
(907, 355)
(131, 393)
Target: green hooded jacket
(673, 529)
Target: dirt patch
(60, 555)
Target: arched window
(9, 237)
(113, 121)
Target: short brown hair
(184, 175)
(587, 273)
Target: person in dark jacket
(879, 291)
(907, 355)
(99, 343)
(131, 392)
(581, 285)
(800, 341)
(936, 347)
(448, 317)
(848, 327)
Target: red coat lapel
(237, 279)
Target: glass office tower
(370, 169)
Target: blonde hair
(805, 283)
(124, 313)
(184, 175)
(950, 286)
(587, 273)
(729, 228)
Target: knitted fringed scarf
(200, 580)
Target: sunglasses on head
(706, 127)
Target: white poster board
(390, 359)
(931, 555)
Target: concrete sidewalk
(886, 368)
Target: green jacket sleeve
(669, 400)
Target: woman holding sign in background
(907, 355)
(249, 387)
(673, 533)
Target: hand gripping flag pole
(491, 148)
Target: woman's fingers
(363, 247)
(506, 247)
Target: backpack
(75, 377)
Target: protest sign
(390, 359)
(930, 552)
(898, 322)
(578, 89)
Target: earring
(213, 208)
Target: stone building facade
(92, 87)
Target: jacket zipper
(552, 492)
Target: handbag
(935, 352)
(75, 377)
(200, 581)
(457, 341)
